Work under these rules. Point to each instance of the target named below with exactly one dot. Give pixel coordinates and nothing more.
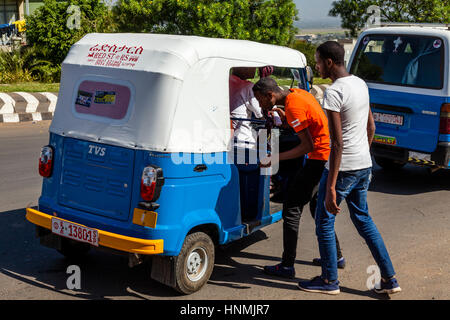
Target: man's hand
(330, 202)
(280, 112)
(266, 162)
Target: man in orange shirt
(305, 115)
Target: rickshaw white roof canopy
(174, 54)
(178, 87)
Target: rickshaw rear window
(403, 60)
(102, 99)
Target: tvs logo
(98, 151)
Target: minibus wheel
(195, 263)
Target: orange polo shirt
(303, 111)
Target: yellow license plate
(145, 218)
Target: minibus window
(108, 100)
(404, 60)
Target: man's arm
(370, 128)
(306, 146)
(334, 122)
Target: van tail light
(46, 162)
(151, 183)
(445, 119)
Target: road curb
(25, 106)
(38, 106)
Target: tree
(354, 13)
(269, 21)
(56, 26)
(309, 50)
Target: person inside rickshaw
(243, 105)
(288, 140)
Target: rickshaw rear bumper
(106, 239)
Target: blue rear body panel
(102, 191)
(420, 129)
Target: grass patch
(322, 81)
(30, 87)
(288, 81)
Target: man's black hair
(265, 85)
(332, 50)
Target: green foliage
(47, 26)
(18, 66)
(268, 21)
(13, 67)
(26, 64)
(354, 12)
(309, 50)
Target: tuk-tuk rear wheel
(195, 263)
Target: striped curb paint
(38, 106)
(24, 106)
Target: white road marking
(11, 117)
(52, 98)
(8, 107)
(32, 102)
(36, 116)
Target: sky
(314, 14)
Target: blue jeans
(351, 186)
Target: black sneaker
(280, 271)
(340, 262)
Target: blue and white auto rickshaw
(137, 157)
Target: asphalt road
(410, 207)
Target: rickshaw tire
(193, 241)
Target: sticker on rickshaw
(84, 98)
(385, 140)
(105, 97)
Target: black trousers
(299, 193)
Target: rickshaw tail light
(46, 162)
(147, 192)
(151, 183)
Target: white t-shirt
(242, 104)
(350, 97)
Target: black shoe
(280, 271)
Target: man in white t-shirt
(243, 105)
(348, 171)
